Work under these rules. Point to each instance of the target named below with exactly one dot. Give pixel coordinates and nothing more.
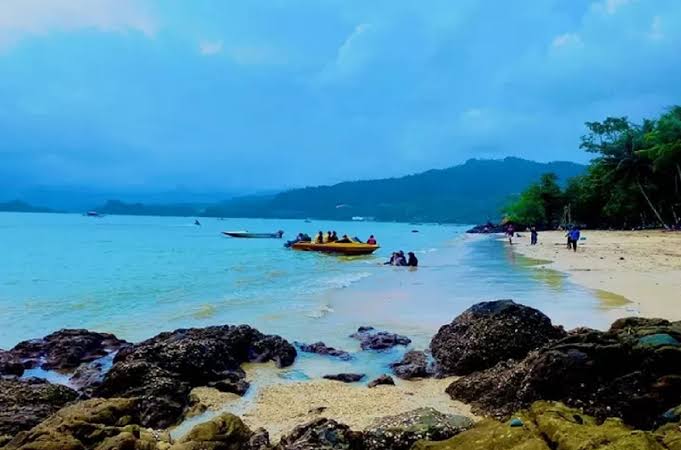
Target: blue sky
(261, 94)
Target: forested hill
(469, 193)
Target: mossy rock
(553, 426)
(486, 435)
(225, 432)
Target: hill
(19, 206)
(469, 193)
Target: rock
(238, 387)
(322, 349)
(488, 227)
(25, 403)
(225, 432)
(553, 426)
(399, 432)
(99, 424)
(414, 364)
(516, 422)
(66, 349)
(321, 434)
(10, 364)
(260, 440)
(657, 340)
(162, 370)
(345, 377)
(382, 380)
(608, 374)
(370, 339)
(490, 332)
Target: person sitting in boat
(320, 238)
(334, 237)
(412, 261)
(304, 237)
(371, 240)
(345, 240)
(329, 236)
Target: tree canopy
(634, 180)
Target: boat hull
(247, 235)
(336, 248)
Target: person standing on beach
(533, 236)
(510, 231)
(574, 237)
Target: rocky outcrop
(321, 348)
(632, 371)
(25, 403)
(487, 228)
(553, 426)
(384, 379)
(162, 370)
(10, 364)
(345, 377)
(414, 364)
(399, 432)
(225, 432)
(490, 332)
(321, 434)
(92, 424)
(66, 349)
(372, 339)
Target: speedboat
(341, 248)
(246, 234)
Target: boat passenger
(371, 240)
(305, 238)
(320, 238)
(334, 237)
(329, 237)
(345, 240)
(412, 261)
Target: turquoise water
(137, 276)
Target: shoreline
(643, 267)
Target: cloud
(352, 54)
(21, 18)
(567, 40)
(208, 48)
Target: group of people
(398, 259)
(332, 236)
(573, 235)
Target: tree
(619, 144)
(540, 204)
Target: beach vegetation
(634, 181)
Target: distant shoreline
(642, 266)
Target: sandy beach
(642, 266)
(279, 407)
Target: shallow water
(138, 276)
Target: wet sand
(280, 406)
(641, 266)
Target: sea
(138, 276)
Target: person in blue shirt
(573, 237)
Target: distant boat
(358, 218)
(246, 234)
(93, 214)
(308, 221)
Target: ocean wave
(320, 312)
(345, 280)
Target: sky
(233, 95)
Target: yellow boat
(351, 248)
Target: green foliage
(541, 204)
(634, 181)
